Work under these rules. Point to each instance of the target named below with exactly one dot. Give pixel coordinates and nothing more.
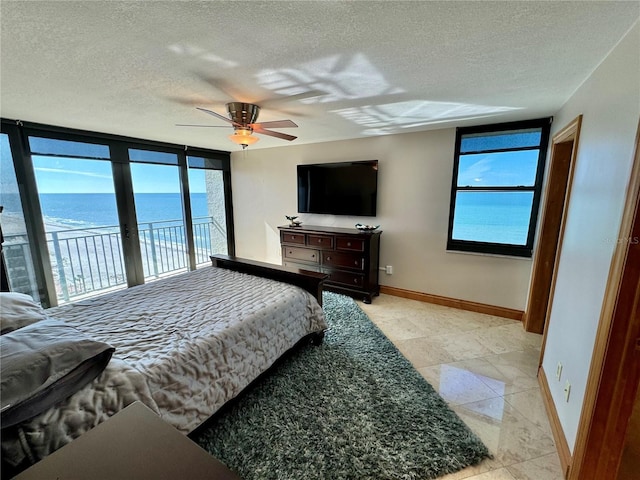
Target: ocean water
(499, 217)
(78, 210)
(86, 258)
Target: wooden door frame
(614, 374)
(564, 151)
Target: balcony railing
(89, 260)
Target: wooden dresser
(349, 256)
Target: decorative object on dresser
(367, 228)
(292, 220)
(349, 256)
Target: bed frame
(310, 281)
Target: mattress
(185, 345)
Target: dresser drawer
(306, 254)
(320, 241)
(303, 266)
(348, 256)
(351, 244)
(345, 278)
(343, 260)
(295, 238)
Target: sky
(70, 175)
(498, 169)
(8, 183)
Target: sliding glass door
(103, 212)
(78, 203)
(208, 208)
(160, 213)
(16, 248)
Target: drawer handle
(355, 280)
(293, 237)
(356, 262)
(313, 256)
(328, 258)
(319, 240)
(348, 244)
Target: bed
(184, 346)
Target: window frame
(215, 162)
(457, 245)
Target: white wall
(414, 185)
(610, 103)
(413, 205)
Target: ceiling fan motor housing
(243, 113)
(243, 117)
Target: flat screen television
(344, 188)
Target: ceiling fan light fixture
(243, 117)
(243, 137)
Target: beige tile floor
(485, 368)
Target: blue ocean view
(85, 246)
(500, 217)
(77, 210)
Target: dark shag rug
(352, 408)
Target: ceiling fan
(243, 117)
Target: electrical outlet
(559, 371)
(389, 270)
(567, 391)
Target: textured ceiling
(139, 68)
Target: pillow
(44, 363)
(18, 310)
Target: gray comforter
(185, 345)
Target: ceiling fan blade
(217, 115)
(194, 102)
(205, 126)
(225, 87)
(271, 133)
(270, 102)
(181, 100)
(274, 124)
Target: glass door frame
(34, 224)
(19, 133)
(224, 166)
(127, 215)
(187, 219)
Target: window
(159, 211)
(105, 212)
(497, 181)
(16, 246)
(208, 208)
(80, 219)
